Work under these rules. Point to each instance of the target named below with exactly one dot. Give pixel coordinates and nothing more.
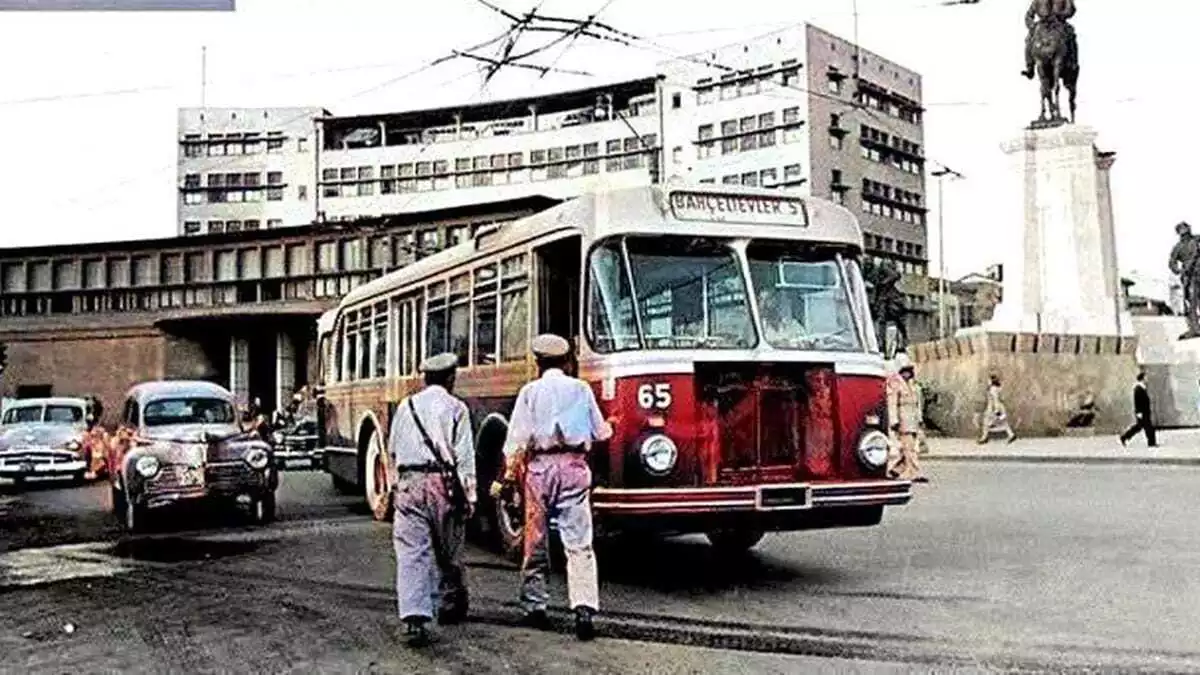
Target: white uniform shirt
(555, 410)
(448, 423)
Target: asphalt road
(993, 567)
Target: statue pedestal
(1060, 274)
(1172, 368)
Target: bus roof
(677, 207)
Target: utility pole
(941, 175)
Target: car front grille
(230, 476)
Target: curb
(1065, 459)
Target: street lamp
(941, 175)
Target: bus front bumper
(786, 506)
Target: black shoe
(452, 617)
(921, 479)
(537, 620)
(416, 634)
(453, 613)
(1123, 441)
(584, 629)
(1027, 74)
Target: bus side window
(558, 287)
(514, 308)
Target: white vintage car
(45, 437)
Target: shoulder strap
(437, 455)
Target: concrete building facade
(235, 308)
(246, 168)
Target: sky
(88, 100)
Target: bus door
(558, 269)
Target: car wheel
(79, 478)
(734, 541)
(378, 494)
(344, 487)
(135, 517)
(18, 482)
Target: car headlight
(277, 437)
(659, 454)
(147, 466)
(873, 449)
(257, 458)
(73, 446)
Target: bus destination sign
(750, 209)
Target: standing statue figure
(1052, 53)
(1185, 261)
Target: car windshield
(684, 293)
(187, 411)
(49, 414)
(804, 298)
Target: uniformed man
(904, 418)
(431, 447)
(554, 423)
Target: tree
(885, 298)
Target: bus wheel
(510, 526)
(379, 496)
(734, 541)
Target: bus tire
(377, 491)
(733, 542)
(489, 465)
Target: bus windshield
(804, 299)
(689, 293)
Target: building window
(191, 180)
(273, 178)
(274, 223)
(274, 194)
(677, 100)
(191, 227)
(216, 226)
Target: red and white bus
(725, 331)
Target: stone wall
(1044, 378)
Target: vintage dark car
(296, 445)
(48, 437)
(181, 442)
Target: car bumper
(222, 481)
(787, 506)
(288, 459)
(38, 468)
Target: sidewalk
(1177, 447)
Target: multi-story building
(552, 145)
(246, 168)
(800, 109)
(803, 109)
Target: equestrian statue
(1052, 54)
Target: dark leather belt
(563, 450)
(418, 468)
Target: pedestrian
(433, 453)
(1143, 420)
(995, 415)
(904, 418)
(554, 423)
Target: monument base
(1045, 379)
(1172, 368)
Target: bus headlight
(257, 459)
(658, 454)
(873, 449)
(147, 466)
